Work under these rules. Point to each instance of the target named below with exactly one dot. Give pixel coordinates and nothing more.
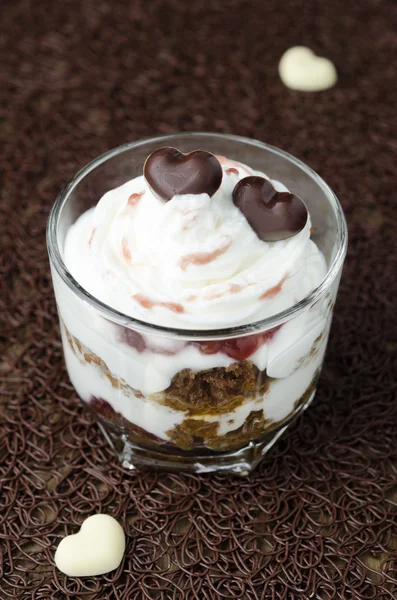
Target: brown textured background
(318, 519)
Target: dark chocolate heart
(169, 172)
(272, 215)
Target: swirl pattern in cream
(193, 262)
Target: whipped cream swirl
(193, 262)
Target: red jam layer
(237, 348)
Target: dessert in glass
(195, 276)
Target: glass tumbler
(195, 400)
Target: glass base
(238, 462)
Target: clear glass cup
(226, 415)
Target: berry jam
(133, 338)
(237, 348)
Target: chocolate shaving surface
(318, 519)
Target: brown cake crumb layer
(190, 430)
(209, 392)
(194, 434)
(255, 427)
(214, 391)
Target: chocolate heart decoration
(96, 549)
(169, 172)
(272, 215)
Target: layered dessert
(198, 243)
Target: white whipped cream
(193, 262)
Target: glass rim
(113, 314)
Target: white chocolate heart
(96, 549)
(300, 69)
